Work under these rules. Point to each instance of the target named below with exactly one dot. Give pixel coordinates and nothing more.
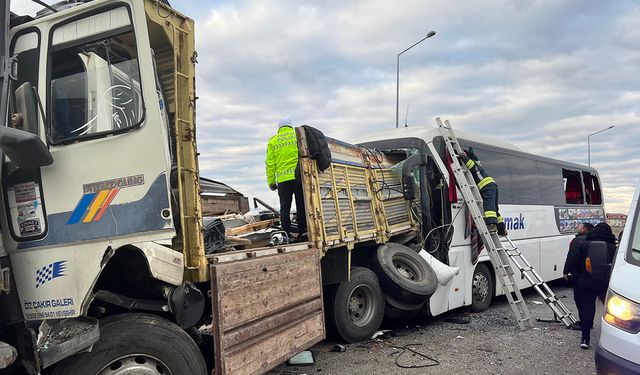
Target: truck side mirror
(599, 259)
(24, 147)
(26, 109)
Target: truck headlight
(622, 313)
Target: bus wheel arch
(483, 287)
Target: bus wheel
(354, 309)
(404, 275)
(137, 344)
(481, 288)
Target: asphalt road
(466, 343)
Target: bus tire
(399, 311)
(482, 288)
(137, 341)
(354, 309)
(404, 275)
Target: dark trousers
(286, 191)
(577, 296)
(489, 194)
(588, 298)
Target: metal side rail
(497, 254)
(529, 273)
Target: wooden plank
(250, 227)
(258, 359)
(265, 309)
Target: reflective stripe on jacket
(481, 177)
(282, 156)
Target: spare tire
(395, 310)
(404, 275)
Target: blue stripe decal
(81, 208)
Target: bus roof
(429, 133)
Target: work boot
(502, 230)
(492, 228)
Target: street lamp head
(431, 33)
(611, 127)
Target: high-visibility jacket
(481, 177)
(282, 156)
(488, 190)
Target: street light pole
(589, 142)
(429, 35)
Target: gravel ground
(490, 343)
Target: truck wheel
(354, 309)
(481, 288)
(404, 275)
(396, 310)
(137, 344)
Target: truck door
(103, 128)
(108, 183)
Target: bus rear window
(572, 187)
(592, 188)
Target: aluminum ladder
(498, 254)
(528, 272)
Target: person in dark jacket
(572, 268)
(590, 288)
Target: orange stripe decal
(95, 205)
(107, 202)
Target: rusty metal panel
(266, 308)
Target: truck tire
(482, 288)
(399, 311)
(404, 275)
(140, 343)
(354, 309)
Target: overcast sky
(540, 74)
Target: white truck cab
(619, 349)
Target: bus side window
(550, 180)
(572, 187)
(592, 188)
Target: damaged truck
(105, 267)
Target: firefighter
(281, 162)
(488, 190)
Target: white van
(619, 348)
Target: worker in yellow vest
(281, 163)
(488, 190)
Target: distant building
(617, 220)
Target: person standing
(281, 163)
(591, 288)
(572, 268)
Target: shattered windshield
(95, 88)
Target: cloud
(540, 74)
